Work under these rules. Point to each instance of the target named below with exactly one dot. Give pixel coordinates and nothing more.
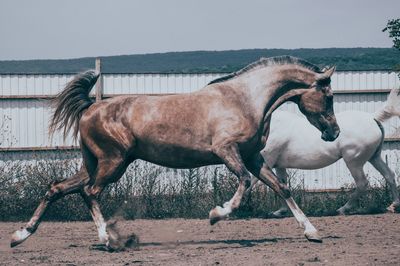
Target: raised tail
(391, 107)
(70, 103)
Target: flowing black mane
(278, 60)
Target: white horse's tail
(391, 107)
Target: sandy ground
(350, 240)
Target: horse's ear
(327, 73)
(325, 68)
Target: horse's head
(316, 103)
(286, 78)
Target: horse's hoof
(275, 215)
(394, 207)
(107, 247)
(118, 241)
(114, 248)
(341, 211)
(100, 247)
(19, 236)
(391, 209)
(278, 214)
(313, 237)
(215, 215)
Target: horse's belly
(297, 163)
(305, 159)
(176, 157)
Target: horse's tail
(391, 107)
(70, 103)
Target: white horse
(292, 143)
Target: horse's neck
(382, 115)
(268, 85)
(263, 87)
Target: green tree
(393, 27)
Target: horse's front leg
(357, 171)
(262, 171)
(232, 159)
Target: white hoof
(395, 206)
(19, 236)
(217, 214)
(279, 213)
(313, 236)
(341, 211)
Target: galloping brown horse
(226, 122)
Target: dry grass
(148, 191)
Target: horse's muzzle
(329, 135)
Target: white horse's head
(393, 102)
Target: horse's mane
(277, 60)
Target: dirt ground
(350, 240)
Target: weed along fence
(25, 112)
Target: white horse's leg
(253, 182)
(261, 170)
(282, 174)
(358, 174)
(388, 174)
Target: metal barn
(24, 113)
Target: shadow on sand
(232, 243)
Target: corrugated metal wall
(24, 112)
(31, 85)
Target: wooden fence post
(99, 84)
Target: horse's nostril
(337, 133)
(329, 136)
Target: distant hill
(210, 61)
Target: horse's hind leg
(388, 174)
(356, 170)
(56, 191)
(97, 216)
(108, 171)
(261, 170)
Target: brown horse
(226, 122)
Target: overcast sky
(46, 29)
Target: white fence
(24, 110)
